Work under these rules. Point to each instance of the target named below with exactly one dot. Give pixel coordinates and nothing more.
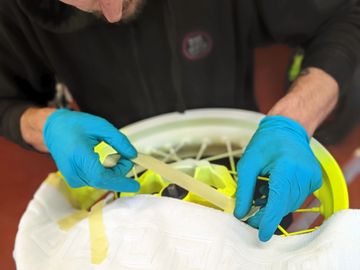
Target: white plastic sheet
(146, 232)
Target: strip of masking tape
(148, 163)
(99, 244)
(70, 221)
(98, 240)
(56, 180)
(187, 182)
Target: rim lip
(163, 119)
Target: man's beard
(131, 10)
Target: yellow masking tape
(70, 221)
(187, 182)
(99, 244)
(98, 241)
(56, 180)
(79, 198)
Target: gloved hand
(71, 138)
(279, 148)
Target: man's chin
(131, 10)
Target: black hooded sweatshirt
(177, 55)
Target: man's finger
(255, 220)
(116, 139)
(94, 174)
(119, 184)
(114, 178)
(248, 170)
(276, 206)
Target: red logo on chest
(196, 45)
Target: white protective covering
(146, 232)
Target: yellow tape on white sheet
(99, 244)
(57, 181)
(70, 221)
(187, 182)
(98, 240)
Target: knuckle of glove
(311, 171)
(316, 178)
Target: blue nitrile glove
(71, 138)
(279, 148)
